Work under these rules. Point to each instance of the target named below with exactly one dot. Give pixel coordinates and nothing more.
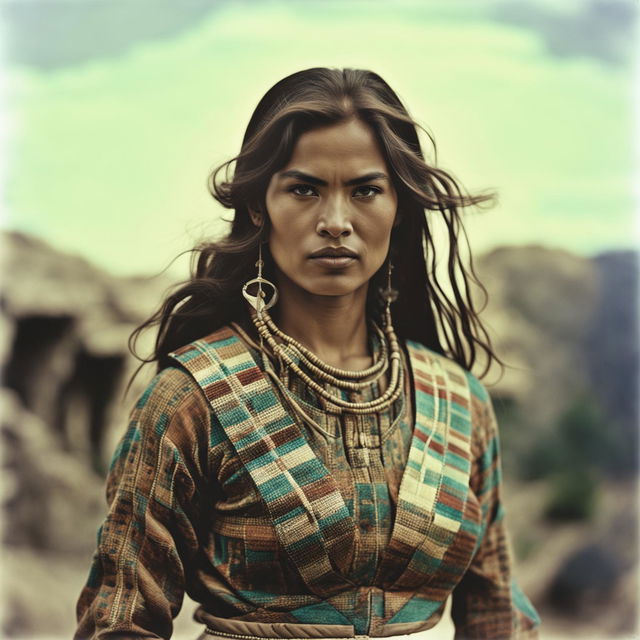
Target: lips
(334, 258)
(334, 252)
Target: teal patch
(471, 527)
(207, 380)
(449, 512)
(426, 563)
(456, 488)
(251, 438)
(312, 540)
(278, 486)
(439, 437)
(461, 422)
(220, 550)
(259, 598)
(245, 365)
(476, 387)
(457, 461)
(262, 401)
(523, 603)
(384, 503)
(322, 612)
(308, 471)
(253, 556)
(161, 425)
(350, 505)
(95, 576)
(236, 415)
(147, 392)
(140, 503)
(292, 445)
(431, 477)
(217, 435)
(276, 425)
(328, 521)
(425, 403)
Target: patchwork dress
(332, 526)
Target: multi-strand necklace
(305, 364)
(297, 358)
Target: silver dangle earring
(258, 301)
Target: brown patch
(217, 389)
(248, 376)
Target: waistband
(217, 628)
(211, 634)
(232, 629)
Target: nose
(334, 220)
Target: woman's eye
(366, 191)
(302, 190)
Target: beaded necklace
(296, 357)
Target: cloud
(110, 157)
(50, 34)
(601, 29)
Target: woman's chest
(343, 508)
(364, 455)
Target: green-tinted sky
(120, 110)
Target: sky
(116, 112)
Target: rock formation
(565, 325)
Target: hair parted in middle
(446, 322)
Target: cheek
(286, 216)
(376, 230)
(281, 224)
(287, 234)
(286, 240)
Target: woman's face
(332, 208)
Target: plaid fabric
(303, 499)
(214, 488)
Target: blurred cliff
(565, 325)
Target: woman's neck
(333, 327)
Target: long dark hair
(447, 322)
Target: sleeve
(487, 602)
(148, 542)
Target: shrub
(573, 495)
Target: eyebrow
(305, 177)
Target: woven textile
(215, 488)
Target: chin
(327, 284)
(334, 288)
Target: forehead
(351, 142)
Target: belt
(212, 633)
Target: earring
(258, 302)
(389, 294)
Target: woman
(313, 458)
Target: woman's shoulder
(462, 384)
(477, 390)
(179, 383)
(170, 385)
(217, 339)
(171, 396)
